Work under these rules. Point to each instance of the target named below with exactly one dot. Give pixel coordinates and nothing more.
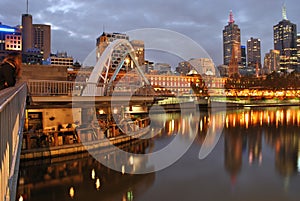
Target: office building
(272, 62)
(139, 49)
(42, 39)
(184, 68)
(285, 40)
(61, 59)
(120, 52)
(10, 40)
(243, 56)
(203, 66)
(298, 49)
(231, 37)
(254, 52)
(233, 66)
(36, 36)
(162, 68)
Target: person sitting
(10, 70)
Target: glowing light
(7, 29)
(227, 122)
(247, 119)
(131, 160)
(201, 125)
(115, 111)
(93, 174)
(123, 169)
(71, 192)
(129, 195)
(98, 184)
(21, 198)
(261, 119)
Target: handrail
(12, 114)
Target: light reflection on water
(257, 158)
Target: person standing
(10, 70)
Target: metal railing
(69, 88)
(12, 114)
(54, 88)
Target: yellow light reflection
(201, 125)
(247, 119)
(98, 184)
(227, 122)
(93, 174)
(21, 198)
(131, 160)
(71, 192)
(123, 169)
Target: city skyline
(74, 30)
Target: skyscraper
(36, 36)
(298, 49)
(233, 66)
(285, 40)
(272, 61)
(42, 39)
(27, 32)
(254, 52)
(243, 56)
(231, 36)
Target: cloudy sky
(77, 23)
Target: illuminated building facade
(254, 52)
(231, 36)
(10, 40)
(285, 40)
(298, 48)
(233, 66)
(61, 59)
(272, 61)
(243, 56)
(139, 49)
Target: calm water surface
(256, 158)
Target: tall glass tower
(285, 40)
(231, 37)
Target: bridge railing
(12, 114)
(69, 88)
(51, 87)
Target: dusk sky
(76, 24)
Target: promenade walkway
(12, 114)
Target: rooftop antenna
(231, 20)
(284, 16)
(103, 28)
(27, 7)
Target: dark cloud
(76, 24)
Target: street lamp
(127, 60)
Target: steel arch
(103, 64)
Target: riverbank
(84, 146)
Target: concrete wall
(43, 72)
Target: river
(251, 154)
